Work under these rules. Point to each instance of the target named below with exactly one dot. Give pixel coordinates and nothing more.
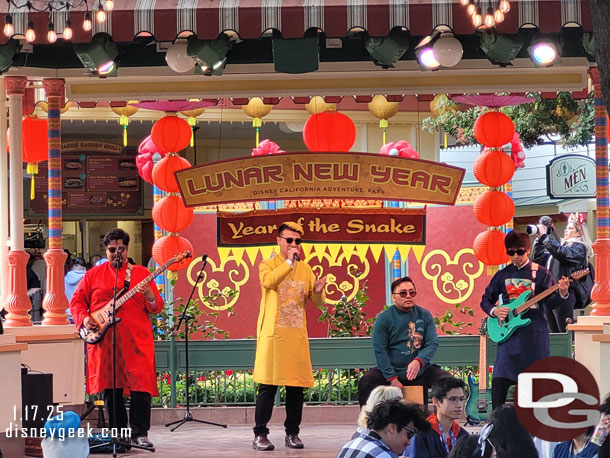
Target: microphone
(296, 257)
(120, 248)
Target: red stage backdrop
(445, 270)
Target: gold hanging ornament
(44, 106)
(383, 110)
(256, 109)
(125, 112)
(317, 105)
(191, 116)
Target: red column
(55, 301)
(17, 302)
(600, 293)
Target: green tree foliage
(572, 120)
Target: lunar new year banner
(381, 225)
(320, 175)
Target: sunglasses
(404, 293)
(289, 240)
(410, 432)
(112, 249)
(520, 252)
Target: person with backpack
(562, 259)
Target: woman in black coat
(561, 259)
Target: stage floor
(197, 440)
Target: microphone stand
(117, 263)
(185, 317)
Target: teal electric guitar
(501, 330)
(479, 397)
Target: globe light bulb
(67, 31)
(100, 16)
(51, 35)
(498, 16)
(87, 22)
(30, 35)
(9, 30)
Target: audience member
(601, 436)
(509, 438)
(579, 447)
(391, 426)
(73, 278)
(379, 394)
(448, 400)
(474, 445)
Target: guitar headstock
(577, 275)
(483, 327)
(179, 257)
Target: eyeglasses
(456, 399)
(520, 252)
(410, 432)
(112, 249)
(289, 240)
(483, 440)
(405, 293)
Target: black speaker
(36, 399)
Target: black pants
(499, 391)
(139, 411)
(556, 318)
(374, 378)
(264, 408)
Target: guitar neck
(526, 305)
(129, 294)
(483, 363)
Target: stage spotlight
(7, 53)
(99, 55)
(544, 52)
(211, 55)
(501, 49)
(588, 44)
(386, 51)
(426, 58)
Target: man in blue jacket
(448, 399)
(404, 343)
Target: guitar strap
(534, 271)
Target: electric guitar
(103, 316)
(477, 406)
(501, 330)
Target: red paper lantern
(329, 131)
(489, 248)
(492, 208)
(171, 215)
(493, 129)
(171, 245)
(494, 168)
(171, 134)
(163, 173)
(35, 140)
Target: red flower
(201, 379)
(357, 371)
(229, 373)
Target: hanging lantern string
(124, 121)
(32, 170)
(49, 5)
(257, 122)
(383, 123)
(192, 120)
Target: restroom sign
(571, 176)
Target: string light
(498, 16)
(109, 5)
(489, 18)
(51, 35)
(87, 22)
(30, 35)
(504, 6)
(9, 30)
(471, 8)
(464, 2)
(67, 30)
(477, 18)
(492, 16)
(100, 16)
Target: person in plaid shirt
(391, 425)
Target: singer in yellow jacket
(282, 349)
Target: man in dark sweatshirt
(404, 342)
(448, 399)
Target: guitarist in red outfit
(135, 356)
